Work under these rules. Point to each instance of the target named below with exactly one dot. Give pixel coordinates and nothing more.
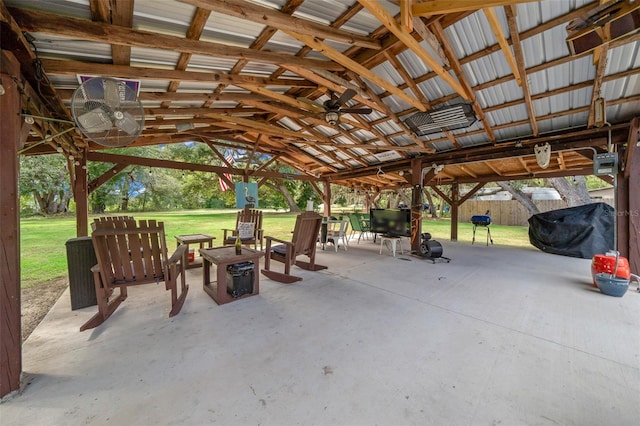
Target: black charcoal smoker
(431, 249)
(482, 220)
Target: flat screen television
(393, 222)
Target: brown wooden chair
(109, 219)
(246, 216)
(303, 242)
(131, 253)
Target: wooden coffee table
(222, 257)
(201, 239)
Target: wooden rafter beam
(118, 12)
(457, 68)
(421, 28)
(168, 112)
(349, 63)
(511, 12)
(597, 82)
(179, 165)
(406, 18)
(199, 20)
(31, 20)
(282, 21)
(441, 7)
(392, 25)
(490, 13)
(61, 67)
(334, 83)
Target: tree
(46, 178)
(574, 192)
(279, 186)
(520, 196)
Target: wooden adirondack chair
(303, 242)
(131, 253)
(246, 216)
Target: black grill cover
(581, 231)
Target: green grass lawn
(43, 252)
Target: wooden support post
(628, 200)
(455, 203)
(10, 324)
(81, 195)
(326, 199)
(416, 204)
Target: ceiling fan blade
(111, 93)
(128, 124)
(94, 121)
(356, 110)
(316, 105)
(348, 94)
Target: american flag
(223, 185)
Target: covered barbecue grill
(481, 220)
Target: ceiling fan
(331, 109)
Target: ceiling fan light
(332, 117)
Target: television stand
(392, 240)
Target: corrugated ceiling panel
(198, 86)
(162, 16)
(414, 66)
(470, 35)
(144, 56)
(544, 47)
(512, 132)
(388, 72)
(64, 81)
(154, 85)
(500, 94)
(562, 102)
(508, 115)
(623, 58)
(324, 12)
(486, 69)
(563, 75)
(473, 140)
(443, 146)
(623, 112)
(395, 104)
(402, 140)
(435, 88)
(76, 9)
(362, 23)
(388, 127)
(201, 62)
(562, 123)
(52, 46)
(358, 151)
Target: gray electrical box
(605, 164)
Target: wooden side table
(222, 257)
(201, 239)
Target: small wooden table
(222, 257)
(193, 239)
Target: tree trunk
(432, 207)
(574, 193)
(65, 198)
(293, 207)
(520, 196)
(402, 197)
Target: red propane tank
(607, 263)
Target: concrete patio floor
(498, 336)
